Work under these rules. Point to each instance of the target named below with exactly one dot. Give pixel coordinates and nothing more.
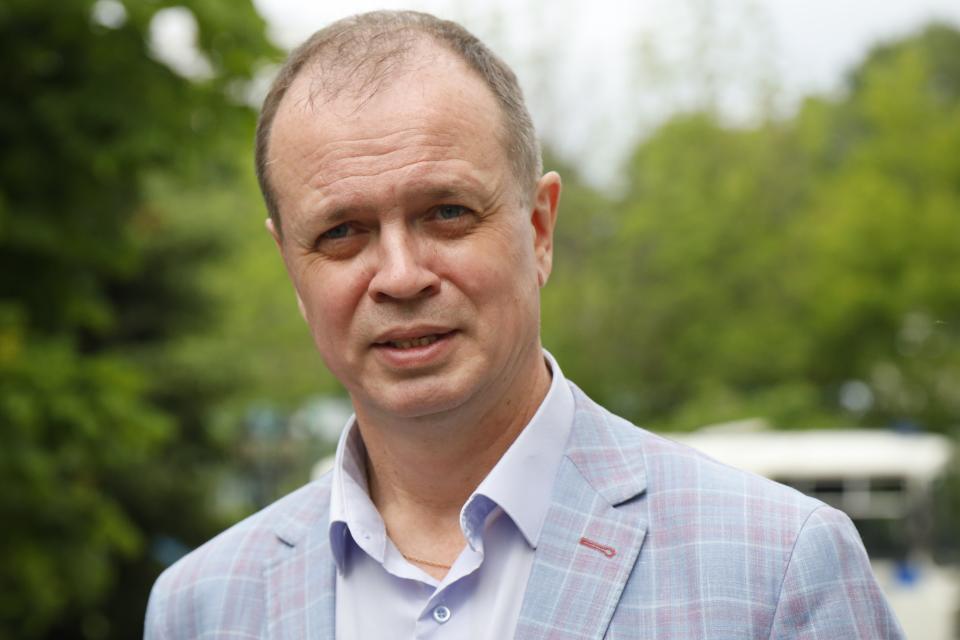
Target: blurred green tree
(688, 287)
(881, 233)
(804, 270)
(107, 464)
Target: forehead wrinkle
(322, 166)
(439, 119)
(422, 180)
(444, 124)
(425, 133)
(391, 161)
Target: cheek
(329, 296)
(502, 274)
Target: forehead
(432, 114)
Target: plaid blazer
(645, 538)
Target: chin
(417, 401)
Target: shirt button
(441, 614)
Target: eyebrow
(340, 214)
(440, 193)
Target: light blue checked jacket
(680, 547)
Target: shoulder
(679, 475)
(227, 572)
(756, 557)
(703, 519)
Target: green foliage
(881, 236)
(106, 454)
(759, 271)
(62, 531)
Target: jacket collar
(607, 450)
(594, 529)
(301, 576)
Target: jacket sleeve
(829, 590)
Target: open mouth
(412, 343)
(415, 342)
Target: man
(476, 493)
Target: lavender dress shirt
(381, 595)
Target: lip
(409, 333)
(416, 357)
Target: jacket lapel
(301, 577)
(591, 538)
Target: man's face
(415, 259)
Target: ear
(278, 240)
(543, 217)
(274, 233)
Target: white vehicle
(882, 480)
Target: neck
(422, 470)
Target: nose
(401, 273)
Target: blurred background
(757, 253)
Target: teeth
(415, 342)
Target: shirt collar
(531, 462)
(352, 512)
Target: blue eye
(450, 211)
(339, 231)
